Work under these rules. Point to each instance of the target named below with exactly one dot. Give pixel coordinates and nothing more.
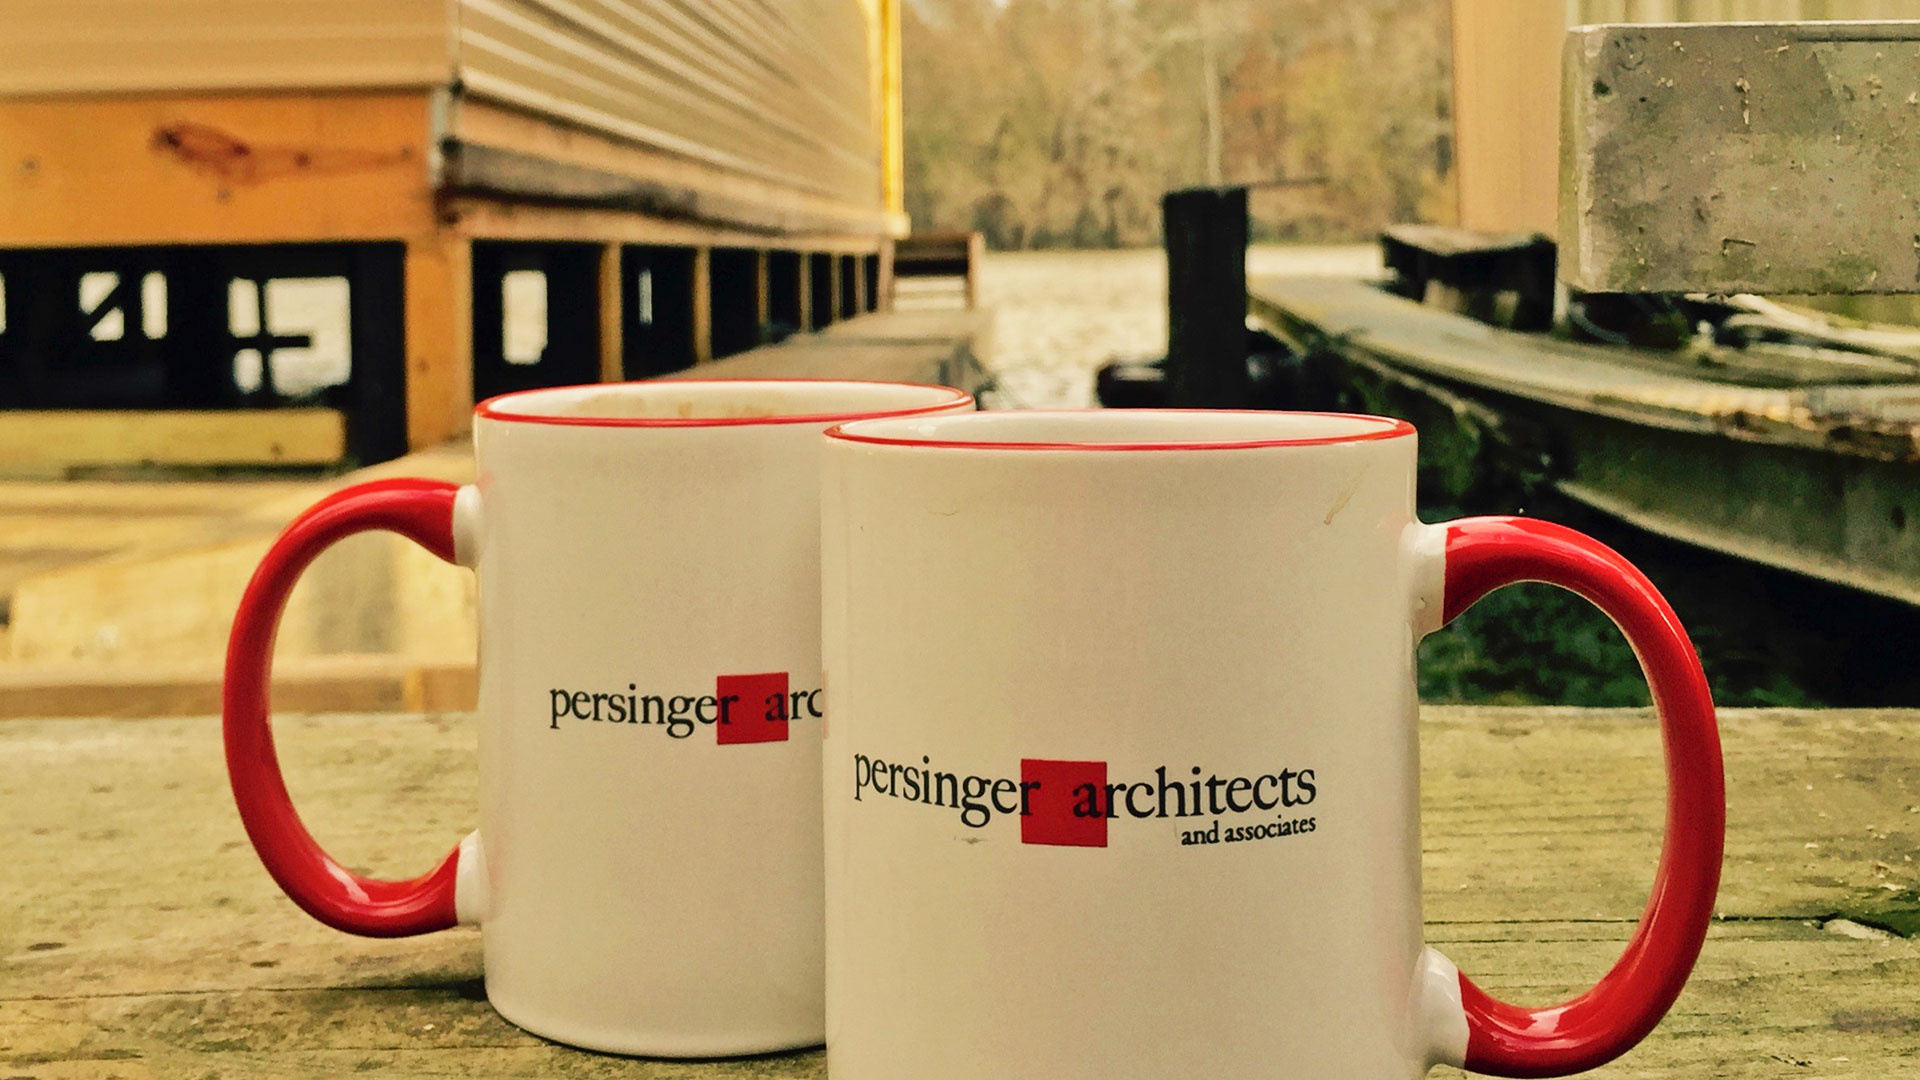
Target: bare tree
(1060, 122)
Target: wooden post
(892, 123)
(806, 292)
(837, 281)
(884, 300)
(762, 293)
(976, 254)
(613, 294)
(1506, 94)
(439, 314)
(702, 305)
(1206, 236)
(859, 284)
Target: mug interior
(1122, 429)
(693, 402)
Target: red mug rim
(491, 408)
(1389, 428)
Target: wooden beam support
(884, 301)
(439, 317)
(1506, 113)
(702, 305)
(612, 311)
(192, 169)
(976, 255)
(762, 290)
(35, 442)
(487, 219)
(836, 303)
(806, 292)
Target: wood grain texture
(34, 440)
(130, 46)
(367, 683)
(612, 309)
(1506, 113)
(143, 939)
(241, 168)
(439, 322)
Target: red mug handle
(1483, 554)
(422, 511)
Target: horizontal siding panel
(781, 92)
(52, 47)
(513, 47)
(694, 50)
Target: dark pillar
(659, 316)
(735, 301)
(1206, 237)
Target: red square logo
(753, 708)
(1067, 804)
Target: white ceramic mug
(646, 873)
(1122, 778)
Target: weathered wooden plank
(613, 299)
(1625, 383)
(33, 441)
(971, 327)
(377, 683)
(53, 47)
(142, 939)
(697, 189)
(702, 305)
(1506, 66)
(242, 168)
(439, 326)
(474, 169)
(926, 363)
(1555, 814)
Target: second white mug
(1122, 776)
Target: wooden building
(1507, 63)
(314, 231)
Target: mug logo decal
(742, 709)
(1069, 803)
(1049, 817)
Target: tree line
(1059, 123)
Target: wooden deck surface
(146, 572)
(139, 937)
(1801, 407)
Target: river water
(1059, 315)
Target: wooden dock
(318, 233)
(1804, 466)
(144, 940)
(116, 589)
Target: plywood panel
(177, 168)
(91, 46)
